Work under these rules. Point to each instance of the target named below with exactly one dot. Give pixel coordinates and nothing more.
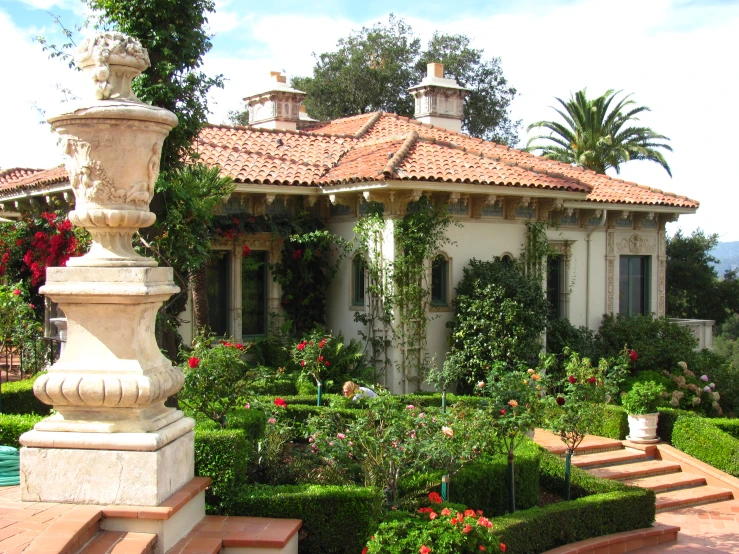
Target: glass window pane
(439, 281)
(358, 281)
(218, 293)
(634, 284)
(254, 294)
(554, 284)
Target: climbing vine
(401, 284)
(309, 259)
(535, 249)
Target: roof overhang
(43, 190)
(613, 206)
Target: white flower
(448, 431)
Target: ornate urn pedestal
(111, 440)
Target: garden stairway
(678, 480)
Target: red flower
(482, 548)
(193, 362)
(426, 510)
(502, 412)
(502, 547)
(469, 513)
(320, 358)
(433, 515)
(246, 251)
(572, 379)
(301, 346)
(446, 512)
(453, 521)
(364, 550)
(239, 346)
(592, 380)
(467, 529)
(633, 355)
(327, 364)
(434, 497)
(424, 550)
(302, 363)
(17, 292)
(560, 400)
(280, 402)
(297, 254)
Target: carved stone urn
(112, 440)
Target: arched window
(440, 281)
(358, 285)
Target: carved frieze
(610, 280)
(636, 244)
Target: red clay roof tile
(376, 146)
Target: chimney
(439, 101)
(276, 106)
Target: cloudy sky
(676, 56)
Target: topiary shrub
(499, 315)
(13, 426)
(224, 456)
(17, 398)
(252, 422)
(336, 519)
(667, 419)
(614, 423)
(659, 342)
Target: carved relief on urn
(113, 144)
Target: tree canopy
(694, 289)
(373, 68)
(598, 136)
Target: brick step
(590, 445)
(682, 498)
(612, 457)
(244, 535)
(635, 470)
(664, 483)
(118, 542)
(68, 533)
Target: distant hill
(728, 254)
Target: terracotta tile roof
(378, 146)
(16, 173)
(35, 180)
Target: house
(610, 233)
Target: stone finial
(113, 60)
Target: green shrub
(252, 422)
(614, 424)
(598, 507)
(667, 419)
(499, 315)
(17, 398)
(730, 426)
(336, 519)
(562, 334)
(13, 426)
(643, 398)
(697, 437)
(659, 342)
(275, 387)
(223, 455)
(433, 400)
(724, 374)
(542, 529)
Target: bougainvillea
(36, 242)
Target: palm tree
(596, 136)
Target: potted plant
(641, 405)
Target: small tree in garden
(446, 377)
(575, 410)
(516, 407)
(17, 319)
(308, 354)
(216, 375)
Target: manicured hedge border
(336, 519)
(614, 425)
(224, 456)
(13, 426)
(481, 485)
(702, 439)
(17, 398)
(599, 507)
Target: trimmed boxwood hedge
(614, 425)
(730, 426)
(224, 456)
(599, 507)
(17, 398)
(481, 485)
(701, 439)
(336, 519)
(13, 426)
(667, 419)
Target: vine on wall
(401, 285)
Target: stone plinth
(128, 477)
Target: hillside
(728, 254)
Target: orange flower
(469, 513)
(512, 403)
(424, 550)
(446, 512)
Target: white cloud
(31, 79)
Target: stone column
(111, 440)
